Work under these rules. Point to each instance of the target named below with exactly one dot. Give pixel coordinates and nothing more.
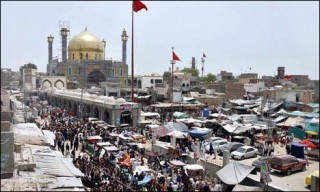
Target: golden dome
(85, 41)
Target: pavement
(283, 182)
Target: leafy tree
(26, 66)
(194, 72)
(209, 78)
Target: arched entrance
(88, 114)
(69, 105)
(106, 116)
(96, 112)
(75, 107)
(95, 77)
(64, 104)
(126, 117)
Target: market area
(205, 149)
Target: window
(72, 55)
(151, 81)
(96, 56)
(113, 73)
(158, 80)
(69, 70)
(81, 55)
(79, 70)
(100, 56)
(87, 56)
(120, 72)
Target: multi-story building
(280, 94)
(300, 80)
(225, 76)
(29, 77)
(231, 90)
(245, 78)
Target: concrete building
(84, 59)
(111, 87)
(58, 82)
(254, 87)
(113, 111)
(280, 72)
(9, 78)
(7, 157)
(245, 78)
(145, 81)
(224, 76)
(300, 80)
(29, 79)
(280, 94)
(315, 86)
(232, 90)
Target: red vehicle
(287, 164)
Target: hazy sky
(233, 35)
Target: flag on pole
(175, 57)
(138, 5)
(204, 55)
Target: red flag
(138, 5)
(287, 77)
(175, 57)
(204, 55)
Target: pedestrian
(62, 148)
(67, 147)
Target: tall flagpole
(132, 61)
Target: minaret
(193, 63)
(124, 38)
(104, 48)
(64, 34)
(50, 41)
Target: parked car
(308, 178)
(258, 162)
(244, 152)
(233, 146)
(287, 164)
(212, 139)
(216, 144)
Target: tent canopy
(178, 134)
(199, 132)
(234, 172)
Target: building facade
(84, 60)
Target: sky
(234, 36)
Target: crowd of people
(104, 172)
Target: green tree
(194, 72)
(209, 78)
(26, 66)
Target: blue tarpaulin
(199, 132)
